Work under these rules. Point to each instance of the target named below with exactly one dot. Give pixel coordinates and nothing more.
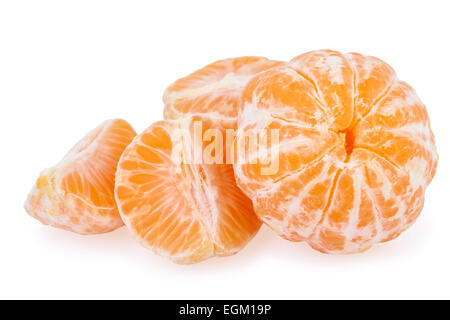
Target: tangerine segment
(214, 90)
(332, 77)
(181, 209)
(356, 151)
(78, 193)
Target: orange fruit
(214, 90)
(78, 193)
(355, 151)
(177, 207)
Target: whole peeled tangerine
(354, 155)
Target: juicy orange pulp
(78, 193)
(213, 92)
(180, 209)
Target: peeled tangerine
(78, 193)
(180, 205)
(214, 91)
(356, 151)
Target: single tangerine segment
(356, 151)
(214, 91)
(78, 193)
(187, 211)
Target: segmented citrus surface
(78, 193)
(214, 90)
(356, 151)
(182, 209)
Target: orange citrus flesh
(214, 91)
(78, 193)
(184, 210)
(356, 151)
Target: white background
(65, 66)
